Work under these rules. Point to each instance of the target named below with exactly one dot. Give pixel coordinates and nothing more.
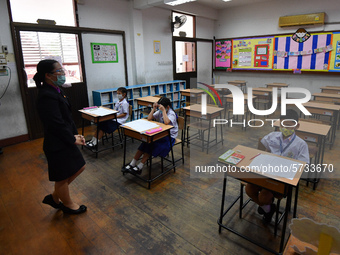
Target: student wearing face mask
(161, 147)
(284, 143)
(109, 126)
(64, 159)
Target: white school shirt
(298, 149)
(173, 121)
(122, 107)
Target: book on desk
(231, 157)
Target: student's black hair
(165, 102)
(290, 114)
(122, 90)
(43, 67)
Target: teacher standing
(65, 161)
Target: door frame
(16, 27)
(188, 75)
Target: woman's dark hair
(123, 90)
(290, 114)
(43, 67)
(164, 101)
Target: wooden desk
(230, 100)
(190, 93)
(330, 90)
(335, 98)
(240, 83)
(148, 138)
(328, 110)
(212, 113)
(278, 184)
(87, 115)
(277, 85)
(146, 101)
(263, 93)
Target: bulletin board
(335, 54)
(223, 54)
(104, 53)
(311, 55)
(252, 53)
(320, 52)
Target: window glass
(184, 24)
(185, 57)
(37, 46)
(29, 11)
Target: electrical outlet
(3, 61)
(4, 49)
(2, 55)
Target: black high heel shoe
(67, 210)
(50, 201)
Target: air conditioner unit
(305, 19)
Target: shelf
(169, 89)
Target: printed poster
(104, 53)
(223, 54)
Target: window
(183, 25)
(37, 46)
(29, 11)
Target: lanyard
(282, 150)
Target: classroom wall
(262, 19)
(12, 122)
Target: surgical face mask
(286, 132)
(60, 80)
(120, 96)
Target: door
(34, 45)
(204, 62)
(185, 64)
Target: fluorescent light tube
(177, 2)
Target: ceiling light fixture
(226, 0)
(177, 2)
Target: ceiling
(219, 4)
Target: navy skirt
(108, 126)
(159, 148)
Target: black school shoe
(50, 201)
(267, 217)
(67, 210)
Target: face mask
(60, 80)
(120, 96)
(286, 132)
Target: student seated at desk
(109, 126)
(284, 143)
(161, 147)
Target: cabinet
(169, 89)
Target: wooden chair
(178, 141)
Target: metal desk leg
(172, 153)
(222, 203)
(150, 167)
(296, 199)
(124, 150)
(208, 135)
(97, 138)
(289, 198)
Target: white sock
(133, 162)
(140, 165)
(94, 141)
(266, 208)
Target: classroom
(218, 74)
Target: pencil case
(154, 130)
(91, 107)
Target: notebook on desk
(231, 157)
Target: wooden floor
(178, 215)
